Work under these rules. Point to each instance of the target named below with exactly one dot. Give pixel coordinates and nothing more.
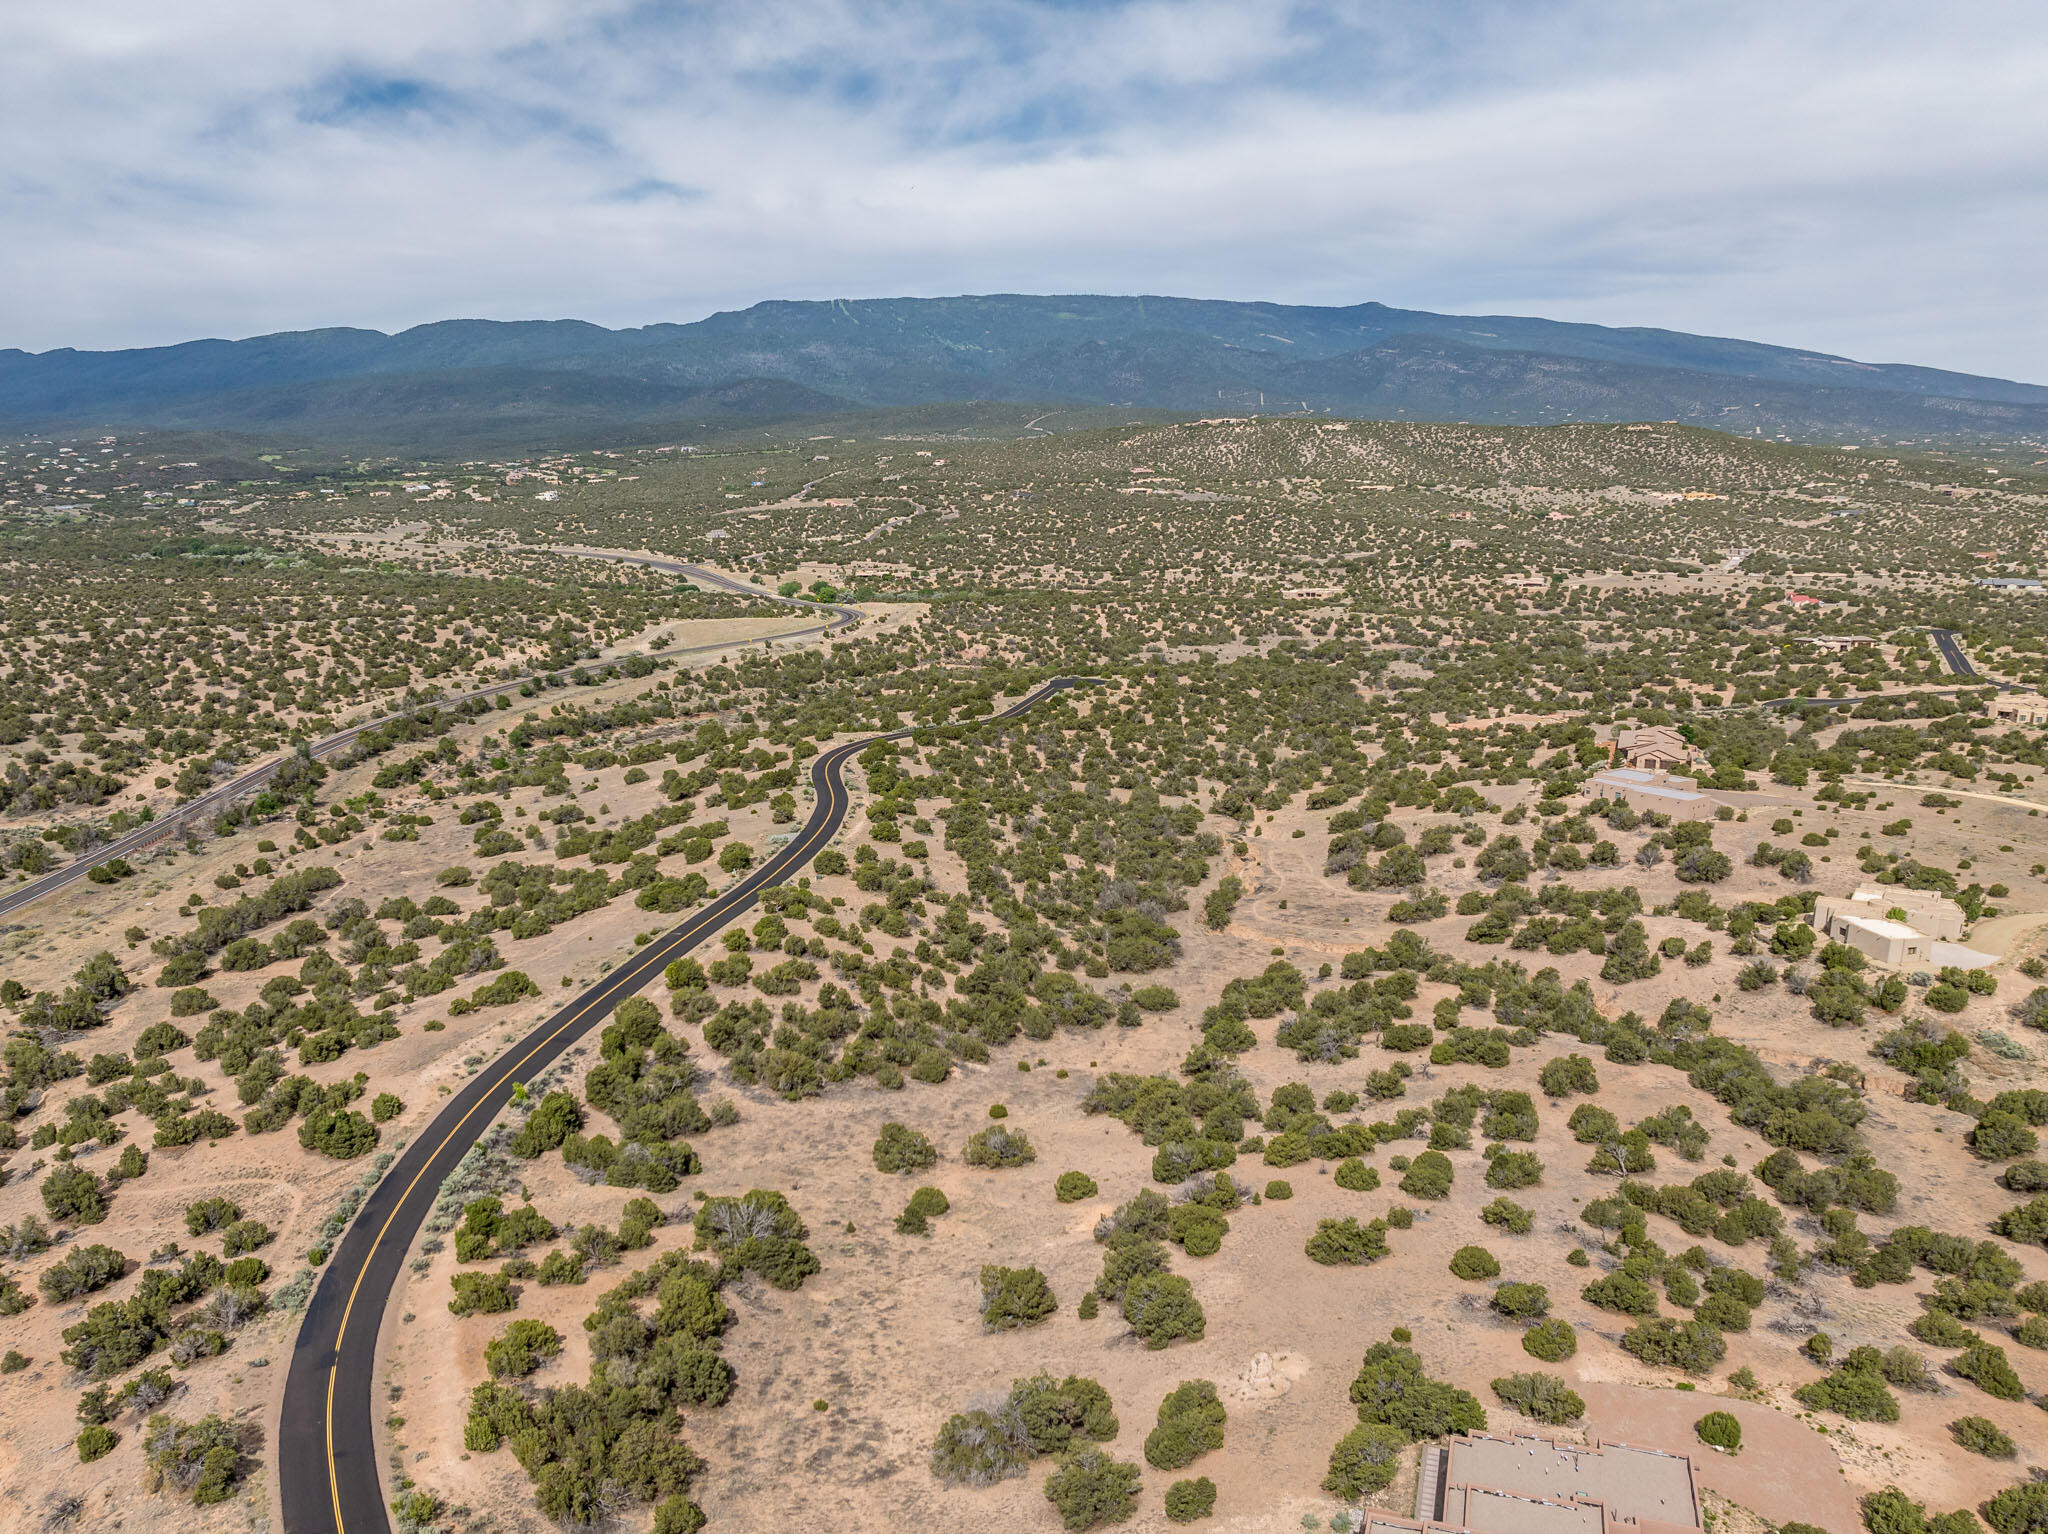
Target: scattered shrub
(1191, 1501)
(1072, 1187)
(999, 1147)
(1365, 1460)
(1393, 1388)
(1980, 1435)
(1355, 1176)
(902, 1149)
(1347, 1243)
(1090, 1488)
(1191, 1422)
(1552, 1341)
(1521, 1302)
(1429, 1176)
(1719, 1430)
(1474, 1262)
(521, 1348)
(1540, 1397)
(925, 1205)
(1568, 1074)
(1014, 1297)
(1162, 1309)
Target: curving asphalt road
(212, 802)
(328, 1476)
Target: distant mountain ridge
(498, 380)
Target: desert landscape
(1124, 1082)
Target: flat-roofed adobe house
(2017, 708)
(1661, 793)
(1892, 926)
(1478, 1484)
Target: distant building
(1646, 792)
(2017, 708)
(1528, 1485)
(1836, 644)
(1892, 926)
(1801, 599)
(2008, 583)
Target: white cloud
(1858, 178)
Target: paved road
(328, 1476)
(1950, 644)
(210, 804)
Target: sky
(1868, 179)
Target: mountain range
(477, 382)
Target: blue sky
(1870, 179)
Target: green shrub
(1506, 1214)
(1984, 1365)
(1072, 1187)
(1365, 1460)
(1552, 1341)
(83, 1270)
(95, 1441)
(1521, 1302)
(1623, 1293)
(1090, 1488)
(1980, 1435)
(1162, 1309)
(1278, 1189)
(339, 1133)
(1856, 1393)
(73, 1193)
(1191, 1421)
(553, 1120)
(1719, 1430)
(1196, 1229)
(1725, 1312)
(521, 1348)
(1347, 1243)
(1568, 1074)
(1514, 1169)
(204, 1460)
(1355, 1176)
(1014, 1297)
(1429, 1176)
(999, 1147)
(1191, 1501)
(2021, 1509)
(1939, 1329)
(245, 1236)
(980, 1448)
(903, 1149)
(1474, 1262)
(482, 1294)
(1393, 1388)
(1540, 1397)
(1056, 1413)
(925, 1205)
(1692, 1346)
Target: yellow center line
(637, 970)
